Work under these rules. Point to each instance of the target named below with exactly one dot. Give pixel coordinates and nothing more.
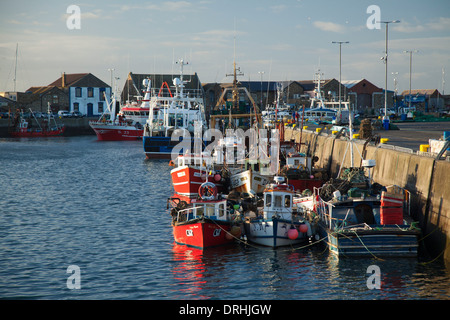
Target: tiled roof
(351, 83)
(79, 80)
(427, 92)
(39, 90)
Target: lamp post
(410, 72)
(340, 67)
(386, 118)
(395, 74)
(111, 71)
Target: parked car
(76, 114)
(63, 114)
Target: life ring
(207, 191)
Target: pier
(424, 176)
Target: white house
(86, 92)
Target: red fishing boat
(204, 222)
(298, 172)
(24, 128)
(191, 172)
(128, 124)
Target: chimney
(63, 80)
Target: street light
(340, 67)
(111, 71)
(410, 69)
(395, 74)
(386, 118)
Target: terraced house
(86, 92)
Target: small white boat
(277, 224)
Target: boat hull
(107, 132)
(381, 242)
(202, 233)
(24, 133)
(274, 232)
(302, 184)
(157, 147)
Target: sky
(269, 40)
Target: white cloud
(439, 24)
(278, 8)
(329, 26)
(170, 6)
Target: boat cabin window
(287, 201)
(210, 210)
(221, 210)
(278, 200)
(199, 211)
(268, 201)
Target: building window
(100, 107)
(76, 106)
(90, 92)
(102, 94)
(55, 99)
(78, 92)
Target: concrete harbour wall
(427, 179)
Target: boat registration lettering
(216, 232)
(181, 174)
(189, 232)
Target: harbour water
(100, 206)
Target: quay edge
(426, 179)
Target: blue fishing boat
(364, 222)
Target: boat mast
(15, 68)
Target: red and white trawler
(204, 222)
(128, 124)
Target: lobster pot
(391, 209)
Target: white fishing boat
(277, 223)
(169, 113)
(321, 111)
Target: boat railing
(406, 200)
(335, 223)
(166, 94)
(117, 123)
(187, 214)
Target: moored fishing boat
(204, 222)
(110, 127)
(170, 113)
(191, 171)
(277, 224)
(23, 128)
(299, 173)
(364, 221)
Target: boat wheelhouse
(205, 222)
(276, 224)
(167, 114)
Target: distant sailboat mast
(15, 68)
